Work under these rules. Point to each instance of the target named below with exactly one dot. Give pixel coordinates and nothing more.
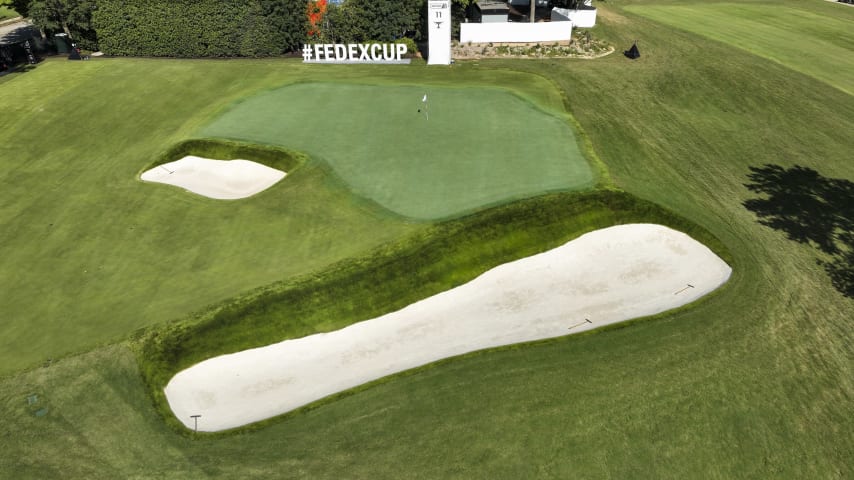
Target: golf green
(460, 150)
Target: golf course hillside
(424, 152)
(409, 196)
(610, 275)
(795, 35)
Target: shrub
(411, 48)
(356, 21)
(199, 28)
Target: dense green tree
(287, 18)
(74, 17)
(259, 35)
(338, 25)
(458, 15)
(200, 28)
(383, 20)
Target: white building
(508, 21)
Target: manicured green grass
(807, 37)
(106, 254)
(7, 13)
(462, 149)
(399, 274)
(756, 382)
(88, 253)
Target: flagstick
(426, 110)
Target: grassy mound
(438, 259)
(278, 158)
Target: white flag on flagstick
(424, 100)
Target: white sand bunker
(603, 277)
(220, 179)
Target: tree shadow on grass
(810, 209)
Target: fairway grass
(818, 44)
(461, 150)
(107, 254)
(89, 253)
(756, 382)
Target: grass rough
(756, 382)
(432, 261)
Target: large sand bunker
(603, 277)
(220, 179)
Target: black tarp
(633, 52)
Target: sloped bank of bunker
(222, 169)
(219, 179)
(603, 277)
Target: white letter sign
(354, 53)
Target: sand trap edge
(217, 179)
(647, 268)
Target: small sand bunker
(220, 179)
(603, 277)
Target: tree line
(224, 28)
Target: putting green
(463, 149)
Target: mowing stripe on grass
(805, 41)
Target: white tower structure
(439, 32)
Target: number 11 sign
(439, 32)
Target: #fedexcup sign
(354, 53)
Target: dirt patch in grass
(612, 17)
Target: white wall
(584, 18)
(493, 18)
(515, 32)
